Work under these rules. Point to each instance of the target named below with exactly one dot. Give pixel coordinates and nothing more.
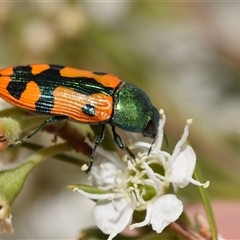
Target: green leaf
(96, 234)
(12, 180)
(87, 189)
(10, 112)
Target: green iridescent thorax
(133, 109)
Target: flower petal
(183, 139)
(104, 171)
(160, 134)
(112, 217)
(166, 209)
(181, 168)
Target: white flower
(140, 184)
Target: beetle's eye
(150, 129)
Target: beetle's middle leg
(97, 141)
(118, 140)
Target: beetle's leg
(118, 140)
(97, 141)
(130, 153)
(49, 120)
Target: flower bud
(10, 131)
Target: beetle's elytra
(83, 96)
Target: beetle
(80, 95)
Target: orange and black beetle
(83, 96)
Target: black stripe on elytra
(48, 80)
(19, 81)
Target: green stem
(206, 204)
(62, 157)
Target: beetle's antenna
(165, 138)
(150, 149)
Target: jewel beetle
(79, 95)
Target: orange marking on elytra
(38, 68)
(31, 94)
(74, 72)
(6, 71)
(107, 80)
(4, 81)
(70, 103)
(28, 98)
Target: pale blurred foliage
(186, 56)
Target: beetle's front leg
(118, 140)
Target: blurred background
(186, 56)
